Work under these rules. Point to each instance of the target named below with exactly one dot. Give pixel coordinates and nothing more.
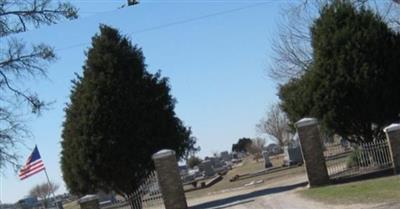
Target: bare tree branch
(18, 62)
(256, 148)
(43, 192)
(15, 14)
(275, 124)
(12, 131)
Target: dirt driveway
(277, 195)
(246, 196)
(290, 200)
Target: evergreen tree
(118, 116)
(353, 83)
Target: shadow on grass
(245, 198)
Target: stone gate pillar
(393, 137)
(312, 150)
(169, 179)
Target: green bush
(357, 159)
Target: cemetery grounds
(287, 188)
(254, 179)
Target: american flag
(33, 165)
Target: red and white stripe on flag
(33, 165)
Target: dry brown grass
(249, 166)
(71, 205)
(277, 160)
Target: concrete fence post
(393, 137)
(169, 179)
(312, 150)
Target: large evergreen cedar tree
(353, 84)
(118, 116)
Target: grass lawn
(378, 190)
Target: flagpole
(50, 187)
(1, 190)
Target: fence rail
(345, 159)
(147, 196)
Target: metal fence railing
(147, 196)
(345, 159)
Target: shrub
(357, 158)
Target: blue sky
(217, 68)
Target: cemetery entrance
(147, 195)
(162, 189)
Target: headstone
(235, 155)
(217, 162)
(188, 178)
(267, 162)
(183, 170)
(292, 155)
(286, 157)
(225, 156)
(197, 174)
(59, 205)
(206, 167)
(90, 201)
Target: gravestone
(206, 167)
(188, 178)
(216, 162)
(59, 205)
(225, 156)
(292, 155)
(267, 162)
(90, 201)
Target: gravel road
(276, 195)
